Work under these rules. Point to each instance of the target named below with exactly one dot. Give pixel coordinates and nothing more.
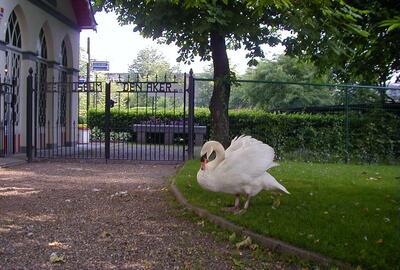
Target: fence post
(346, 142)
(107, 117)
(191, 115)
(29, 98)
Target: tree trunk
(220, 97)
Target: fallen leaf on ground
(253, 246)
(276, 202)
(57, 244)
(120, 193)
(55, 258)
(105, 234)
(200, 223)
(386, 219)
(232, 237)
(238, 263)
(245, 243)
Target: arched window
(43, 45)
(64, 57)
(42, 71)
(64, 81)
(13, 32)
(12, 68)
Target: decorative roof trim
(56, 14)
(85, 20)
(84, 14)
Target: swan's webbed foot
(231, 209)
(240, 212)
(246, 206)
(234, 208)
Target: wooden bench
(168, 132)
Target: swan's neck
(219, 156)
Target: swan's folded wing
(252, 157)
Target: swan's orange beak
(203, 164)
(203, 161)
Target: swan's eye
(203, 157)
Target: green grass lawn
(346, 212)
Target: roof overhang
(84, 14)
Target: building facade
(42, 35)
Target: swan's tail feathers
(270, 183)
(283, 189)
(273, 164)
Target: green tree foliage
(205, 29)
(240, 98)
(83, 62)
(369, 57)
(208, 28)
(269, 96)
(150, 62)
(203, 89)
(391, 24)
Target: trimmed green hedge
(373, 136)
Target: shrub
(373, 136)
(82, 119)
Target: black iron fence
(7, 119)
(317, 122)
(156, 120)
(145, 120)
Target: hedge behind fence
(373, 136)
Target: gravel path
(103, 216)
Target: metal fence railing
(141, 120)
(318, 122)
(7, 120)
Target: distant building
(97, 65)
(117, 76)
(42, 35)
(395, 83)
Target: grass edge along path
(266, 242)
(346, 212)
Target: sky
(119, 45)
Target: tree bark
(220, 97)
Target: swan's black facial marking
(203, 161)
(203, 157)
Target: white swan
(240, 170)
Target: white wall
(31, 19)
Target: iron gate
(144, 120)
(7, 119)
